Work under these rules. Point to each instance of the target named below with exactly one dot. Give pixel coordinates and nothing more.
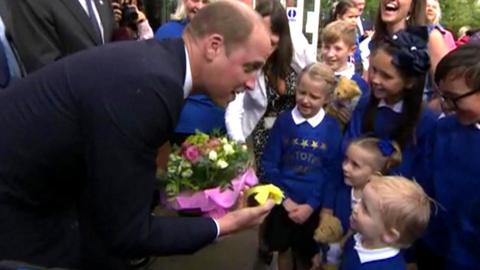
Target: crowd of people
(375, 139)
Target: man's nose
(250, 82)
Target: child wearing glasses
(452, 240)
(394, 110)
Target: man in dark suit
(47, 30)
(80, 136)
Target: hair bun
(413, 51)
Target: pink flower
(191, 153)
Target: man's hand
(244, 218)
(301, 213)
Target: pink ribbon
(214, 202)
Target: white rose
(228, 149)
(187, 173)
(213, 155)
(222, 164)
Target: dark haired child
(452, 240)
(394, 110)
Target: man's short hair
(404, 206)
(339, 31)
(224, 18)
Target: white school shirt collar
(397, 107)
(313, 121)
(353, 200)
(348, 72)
(187, 85)
(477, 125)
(371, 255)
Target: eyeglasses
(450, 104)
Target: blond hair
(404, 206)
(180, 13)
(383, 163)
(321, 73)
(339, 31)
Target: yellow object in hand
(264, 192)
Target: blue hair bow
(386, 147)
(412, 56)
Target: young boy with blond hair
(392, 214)
(338, 46)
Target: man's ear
(391, 236)
(214, 45)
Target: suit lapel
(81, 16)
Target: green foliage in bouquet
(204, 162)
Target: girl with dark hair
(394, 110)
(346, 10)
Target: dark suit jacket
(47, 30)
(77, 158)
(367, 26)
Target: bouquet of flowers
(207, 173)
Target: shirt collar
(354, 200)
(313, 121)
(369, 255)
(187, 85)
(348, 72)
(477, 125)
(397, 107)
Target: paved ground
(233, 252)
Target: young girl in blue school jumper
(393, 212)
(302, 157)
(453, 238)
(365, 157)
(394, 110)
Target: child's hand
(289, 205)
(316, 262)
(301, 213)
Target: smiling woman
(396, 15)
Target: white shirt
(313, 121)
(187, 84)
(370, 255)
(477, 125)
(94, 7)
(397, 107)
(353, 200)
(187, 88)
(348, 72)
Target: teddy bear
(329, 231)
(345, 97)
